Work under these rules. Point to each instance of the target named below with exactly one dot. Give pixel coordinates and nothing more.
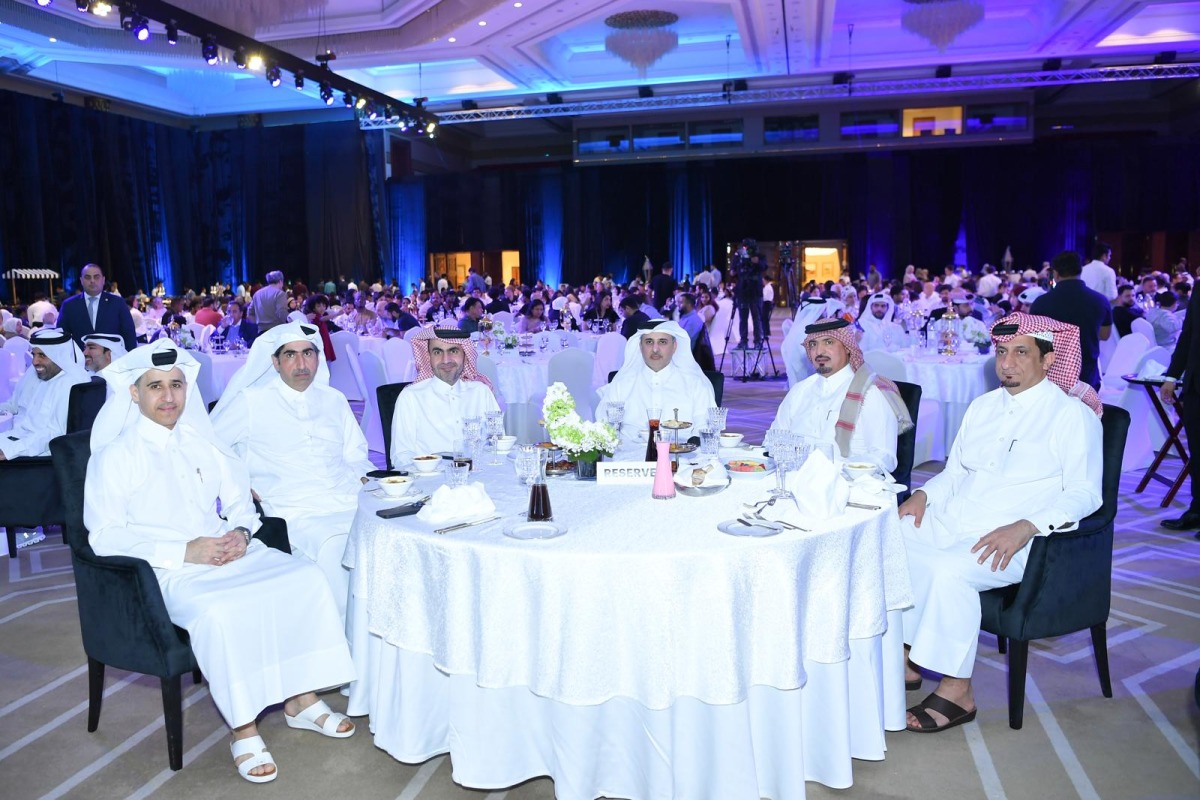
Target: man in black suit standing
(96, 311)
(1185, 369)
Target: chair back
(1125, 360)
(1143, 326)
(1116, 428)
(906, 443)
(204, 378)
(386, 396)
(886, 365)
(374, 375)
(412, 332)
(1159, 355)
(341, 372)
(342, 339)
(990, 379)
(196, 330)
(717, 379)
(488, 369)
(721, 326)
(12, 366)
(785, 327)
(610, 355)
(18, 345)
(70, 454)
(505, 318)
(573, 368)
(206, 336)
(84, 404)
(398, 360)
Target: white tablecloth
(223, 367)
(642, 651)
(5, 420)
(953, 381)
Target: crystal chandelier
(641, 38)
(941, 21)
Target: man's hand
(2, 456)
(1166, 393)
(914, 507)
(254, 494)
(216, 550)
(1003, 543)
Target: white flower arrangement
(977, 336)
(580, 440)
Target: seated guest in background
(39, 402)
(1026, 462)
(38, 307)
(693, 325)
(1072, 302)
(1125, 310)
(1027, 297)
(648, 308)
(532, 317)
(659, 372)
(304, 450)
(497, 301)
(472, 313)
(263, 625)
(207, 313)
(1166, 322)
(429, 413)
(316, 310)
(844, 402)
(100, 350)
(396, 321)
(13, 328)
(235, 327)
(601, 309)
(634, 317)
(879, 331)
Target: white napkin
(453, 504)
(1151, 370)
(716, 475)
(877, 484)
(821, 491)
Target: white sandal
(256, 748)
(306, 720)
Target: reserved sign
(612, 473)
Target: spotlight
(392, 116)
(841, 78)
(327, 94)
(239, 58)
(361, 103)
(209, 50)
(101, 8)
(299, 80)
(469, 105)
(172, 33)
(645, 91)
(371, 111)
(430, 127)
(1165, 57)
(255, 62)
(82, 5)
(43, 3)
(140, 26)
(739, 85)
(554, 99)
(274, 75)
(348, 99)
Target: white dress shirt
(1100, 277)
(811, 409)
(39, 410)
(429, 416)
(668, 389)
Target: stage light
(299, 81)
(209, 50)
(101, 8)
(371, 111)
(172, 33)
(362, 101)
(430, 127)
(82, 5)
(348, 99)
(43, 3)
(274, 75)
(140, 26)
(327, 94)
(239, 58)
(255, 62)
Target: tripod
(746, 368)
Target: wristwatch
(245, 532)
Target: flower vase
(585, 470)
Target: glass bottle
(664, 482)
(539, 494)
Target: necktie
(92, 311)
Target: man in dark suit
(1185, 368)
(1071, 301)
(96, 311)
(236, 327)
(635, 318)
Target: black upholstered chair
(122, 617)
(29, 494)
(1067, 584)
(386, 396)
(906, 443)
(716, 378)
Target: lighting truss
(793, 94)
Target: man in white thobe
(429, 413)
(39, 403)
(659, 372)
(100, 350)
(1026, 462)
(1097, 275)
(880, 332)
(306, 455)
(795, 358)
(263, 625)
(843, 403)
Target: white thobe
(306, 456)
(429, 416)
(926, 303)
(811, 409)
(1100, 277)
(668, 389)
(1037, 456)
(264, 627)
(880, 335)
(39, 410)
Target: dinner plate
(524, 529)
(735, 528)
(769, 463)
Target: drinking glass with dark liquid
(539, 494)
(653, 416)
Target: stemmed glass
(527, 463)
(717, 418)
(471, 433)
(543, 342)
(495, 429)
(787, 449)
(614, 413)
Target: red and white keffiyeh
(420, 343)
(1068, 358)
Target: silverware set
(462, 525)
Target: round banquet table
(952, 381)
(223, 367)
(5, 421)
(643, 654)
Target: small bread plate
(524, 529)
(734, 527)
(743, 467)
(702, 491)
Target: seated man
(879, 330)
(795, 355)
(631, 312)
(1026, 462)
(263, 626)
(691, 321)
(235, 327)
(844, 402)
(429, 413)
(40, 401)
(101, 349)
(472, 313)
(659, 372)
(306, 455)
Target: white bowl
(426, 463)
(731, 439)
(858, 469)
(395, 485)
(505, 443)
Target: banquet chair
(206, 336)
(721, 325)
(196, 330)
(1142, 325)
(372, 374)
(122, 617)
(411, 332)
(505, 318)
(1107, 348)
(204, 382)
(1067, 585)
(386, 396)
(12, 366)
(29, 494)
(886, 365)
(906, 443)
(784, 327)
(610, 355)
(18, 345)
(398, 360)
(341, 374)
(573, 368)
(1124, 360)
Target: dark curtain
(341, 238)
(381, 228)
(406, 204)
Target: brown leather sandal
(955, 714)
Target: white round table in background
(953, 381)
(224, 365)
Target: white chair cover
(204, 378)
(373, 374)
(12, 366)
(1146, 431)
(197, 331)
(785, 327)
(610, 355)
(343, 338)
(1107, 348)
(573, 367)
(1124, 360)
(1144, 327)
(720, 325)
(411, 332)
(341, 373)
(886, 364)
(205, 336)
(398, 359)
(505, 318)
(17, 344)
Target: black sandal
(913, 685)
(955, 714)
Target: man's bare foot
(245, 732)
(957, 691)
(294, 705)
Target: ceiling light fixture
(274, 75)
(452, 40)
(641, 38)
(255, 62)
(348, 100)
(43, 3)
(239, 57)
(360, 103)
(327, 93)
(172, 33)
(82, 5)
(101, 8)
(940, 22)
(299, 81)
(482, 23)
(209, 50)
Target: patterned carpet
(1142, 743)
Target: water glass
(495, 429)
(543, 343)
(563, 342)
(717, 418)
(458, 472)
(614, 412)
(709, 442)
(526, 463)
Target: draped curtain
(406, 203)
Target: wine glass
(785, 449)
(495, 429)
(543, 342)
(717, 418)
(526, 463)
(614, 415)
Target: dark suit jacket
(112, 316)
(633, 322)
(247, 329)
(1185, 361)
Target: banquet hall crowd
(1028, 454)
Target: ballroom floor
(1142, 743)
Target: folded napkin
(821, 491)
(453, 504)
(1151, 370)
(714, 473)
(877, 484)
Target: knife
(462, 525)
(860, 505)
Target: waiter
(97, 311)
